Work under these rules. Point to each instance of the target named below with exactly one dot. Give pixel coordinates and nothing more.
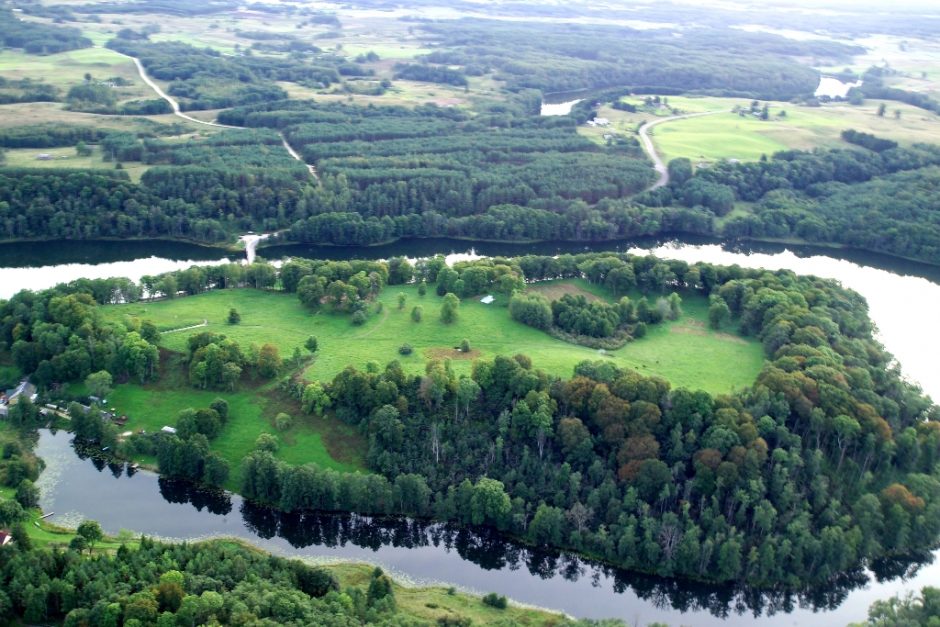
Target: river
(38, 265)
(903, 298)
(422, 553)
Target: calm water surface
(422, 553)
(38, 265)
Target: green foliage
(283, 422)
(91, 531)
(27, 494)
(405, 349)
(450, 308)
(495, 600)
(416, 313)
(649, 446)
(680, 171)
(816, 196)
(37, 37)
(91, 97)
(922, 609)
(531, 309)
(557, 57)
(99, 383)
(233, 316)
(311, 344)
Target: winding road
(173, 103)
(650, 149)
(179, 113)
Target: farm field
(730, 136)
(67, 69)
(683, 351)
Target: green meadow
(321, 440)
(727, 135)
(685, 351)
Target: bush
(283, 422)
(465, 346)
(267, 442)
(405, 349)
(233, 316)
(496, 600)
(359, 318)
(416, 314)
(449, 308)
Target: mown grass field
(730, 136)
(685, 352)
(324, 441)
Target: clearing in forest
(685, 352)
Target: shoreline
(271, 241)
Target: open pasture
(685, 352)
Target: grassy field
(69, 68)
(66, 158)
(684, 352)
(324, 441)
(730, 136)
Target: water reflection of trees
(491, 551)
(214, 501)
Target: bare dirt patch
(450, 353)
(694, 327)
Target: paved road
(651, 149)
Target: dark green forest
(565, 57)
(882, 199)
(202, 78)
(38, 38)
(209, 583)
(826, 463)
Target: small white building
(486, 300)
(169, 429)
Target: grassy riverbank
(424, 603)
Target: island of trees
(825, 463)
